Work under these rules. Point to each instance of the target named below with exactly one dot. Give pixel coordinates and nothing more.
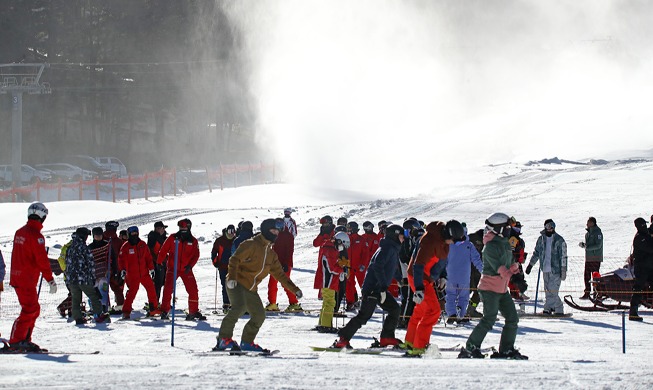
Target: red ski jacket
(189, 253)
(136, 260)
(29, 258)
(358, 252)
(284, 246)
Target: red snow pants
(133, 286)
(191, 288)
(30, 310)
(273, 288)
(425, 316)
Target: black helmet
(640, 223)
(97, 231)
(393, 232)
(368, 226)
(342, 221)
(454, 230)
(410, 224)
(352, 227)
(268, 225)
(247, 225)
(326, 220)
(499, 223)
(82, 233)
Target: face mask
(341, 248)
(286, 219)
(548, 233)
(133, 240)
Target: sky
(351, 94)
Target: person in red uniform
(115, 281)
(359, 258)
(29, 259)
(284, 247)
(326, 233)
(137, 268)
(187, 256)
(423, 273)
(220, 253)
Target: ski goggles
(550, 225)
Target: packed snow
(584, 351)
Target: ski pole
(38, 293)
(215, 299)
(537, 290)
(174, 293)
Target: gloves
(2, 286)
(418, 296)
(299, 294)
(382, 296)
(343, 262)
(361, 268)
(441, 284)
(284, 267)
(187, 269)
(123, 274)
(528, 269)
(581, 244)
(231, 284)
(151, 274)
(53, 286)
(563, 274)
(216, 263)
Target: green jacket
(594, 244)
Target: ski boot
(165, 315)
(81, 321)
(251, 347)
(415, 352)
(326, 329)
(341, 343)
(511, 354)
(26, 347)
(226, 344)
(452, 320)
(294, 308)
(474, 353)
(153, 309)
(195, 316)
(103, 318)
(272, 307)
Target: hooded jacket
(558, 252)
(29, 259)
(80, 265)
(253, 261)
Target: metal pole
(537, 290)
(174, 293)
(215, 299)
(16, 137)
(623, 331)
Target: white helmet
(498, 223)
(37, 209)
(342, 238)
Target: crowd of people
(413, 271)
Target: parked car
(28, 174)
(114, 164)
(68, 172)
(89, 164)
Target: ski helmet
(342, 238)
(97, 231)
(183, 224)
(499, 223)
(247, 226)
(640, 223)
(111, 226)
(454, 231)
(393, 232)
(368, 226)
(340, 228)
(287, 211)
(342, 221)
(352, 227)
(266, 227)
(82, 233)
(37, 209)
(326, 220)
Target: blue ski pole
(537, 290)
(174, 293)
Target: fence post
(249, 170)
(59, 190)
(260, 173)
(221, 177)
(113, 188)
(145, 185)
(163, 176)
(174, 181)
(274, 168)
(208, 178)
(13, 193)
(81, 197)
(97, 188)
(235, 175)
(129, 188)
(38, 189)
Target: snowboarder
(383, 267)
(248, 266)
(155, 240)
(284, 247)
(220, 255)
(643, 261)
(498, 267)
(593, 246)
(424, 273)
(137, 268)
(334, 259)
(462, 256)
(187, 256)
(29, 259)
(80, 278)
(551, 249)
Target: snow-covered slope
(581, 352)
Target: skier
(476, 239)
(412, 234)
(284, 247)
(551, 248)
(100, 251)
(249, 265)
(462, 256)
(498, 267)
(593, 246)
(187, 256)
(358, 254)
(424, 273)
(643, 261)
(246, 232)
(80, 278)
(517, 283)
(220, 255)
(326, 233)
(371, 238)
(289, 223)
(136, 268)
(115, 281)
(380, 273)
(29, 260)
(67, 304)
(155, 240)
(334, 259)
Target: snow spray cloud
(352, 93)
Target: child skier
(334, 258)
(462, 255)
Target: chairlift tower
(16, 79)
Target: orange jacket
(189, 253)
(136, 260)
(29, 258)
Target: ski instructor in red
(29, 259)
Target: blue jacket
(2, 268)
(461, 256)
(244, 235)
(383, 267)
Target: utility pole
(29, 76)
